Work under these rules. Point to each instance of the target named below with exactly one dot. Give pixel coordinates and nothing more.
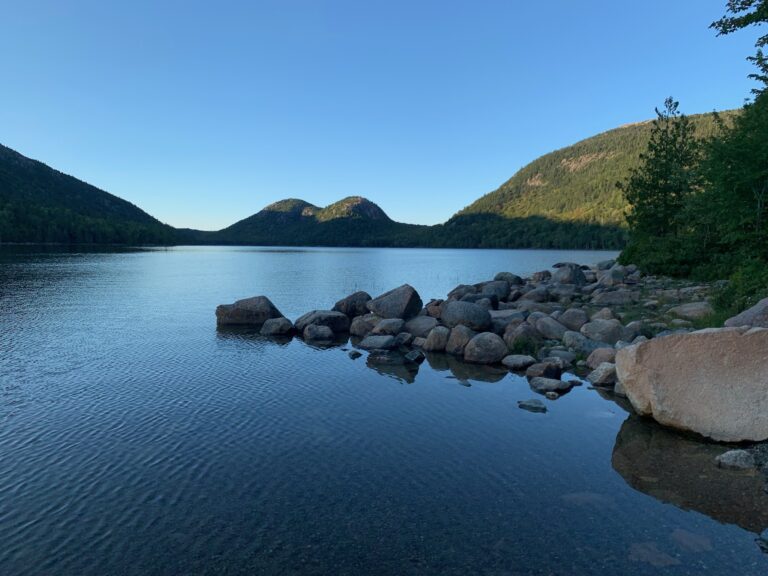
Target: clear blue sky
(202, 113)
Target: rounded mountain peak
(353, 207)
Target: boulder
(487, 301)
(362, 325)
(248, 312)
(498, 288)
(485, 348)
(389, 326)
(608, 331)
(461, 290)
(403, 302)
(512, 279)
(277, 327)
(420, 326)
(755, 316)
(539, 295)
(569, 273)
(692, 310)
(437, 339)
(457, 340)
(601, 355)
(518, 362)
(544, 385)
(713, 382)
(523, 337)
(336, 321)
(603, 314)
(465, 313)
(550, 328)
(317, 333)
(381, 342)
(353, 305)
(616, 298)
(544, 370)
(542, 276)
(581, 344)
(433, 308)
(603, 375)
(573, 319)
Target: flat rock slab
(713, 382)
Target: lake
(136, 439)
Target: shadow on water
(681, 470)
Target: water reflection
(681, 470)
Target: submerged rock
(533, 405)
(544, 385)
(736, 460)
(315, 333)
(247, 312)
(518, 362)
(713, 382)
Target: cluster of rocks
(573, 318)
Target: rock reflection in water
(681, 470)
(463, 371)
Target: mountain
(40, 204)
(566, 198)
(353, 221)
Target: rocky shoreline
(555, 327)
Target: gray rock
(550, 328)
(755, 316)
(605, 264)
(354, 354)
(487, 301)
(569, 274)
(318, 333)
(512, 279)
(518, 362)
(736, 460)
(539, 295)
(581, 344)
(437, 339)
(420, 326)
(353, 305)
(608, 331)
(382, 342)
(565, 355)
(616, 298)
(485, 348)
(418, 342)
(403, 339)
(692, 310)
(336, 321)
(402, 302)
(389, 326)
(461, 290)
(248, 312)
(523, 337)
(601, 355)
(542, 276)
(544, 370)
(532, 405)
(544, 385)
(465, 313)
(603, 314)
(459, 337)
(603, 375)
(498, 288)
(415, 356)
(277, 327)
(573, 319)
(362, 325)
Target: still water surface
(135, 438)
